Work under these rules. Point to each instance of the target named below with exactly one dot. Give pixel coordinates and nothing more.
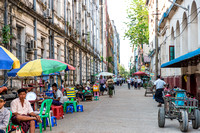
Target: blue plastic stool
(37, 124)
(72, 106)
(69, 109)
(80, 108)
(53, 121)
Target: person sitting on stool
(57, 95)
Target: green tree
(138, 31)
(123, 72)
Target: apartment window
(171, 53)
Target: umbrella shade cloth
(41, 66)
(69, 67)
(105, 74)
(140, 73)
(8, 60)
(13, 72)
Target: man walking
(159, 84)
(129, 82)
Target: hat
(2, 97)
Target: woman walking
(101, 82)
(110, 85)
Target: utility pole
(156, 38)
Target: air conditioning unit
(32, 45)
(48, 13)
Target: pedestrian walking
(132, 81)
(159, 84)
(102, 82)
(139, 83)
(129, 82)
(136, 83)
(120, 81)
(110, 85)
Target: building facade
(109, 40)
(67, 30)
(179, 42)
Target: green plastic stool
(47, 104)
(65, 104)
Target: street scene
(128, 111)
(103, 66)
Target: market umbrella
(43, 66)
(8, 60)
(140, 73)
(69, 67)
(105, 74)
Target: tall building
(67, 30)
(109, 40)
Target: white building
(179, 42)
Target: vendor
(159, 85)
(23, 113)
(57, 95)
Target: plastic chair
(69, 109)
(80, 108)
(46, 103)
(9, 123)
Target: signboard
(143, 68)
(151, 74)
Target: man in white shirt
(23, 113)
(129, 82)
(57, 95)
(159, 84)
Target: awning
(183, 61)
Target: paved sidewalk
(127, 112)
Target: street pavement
(127, 112)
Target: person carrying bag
(110, 85)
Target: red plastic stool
(57, 111)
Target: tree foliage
(6, 36)
(123, 72)
(138, 31)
